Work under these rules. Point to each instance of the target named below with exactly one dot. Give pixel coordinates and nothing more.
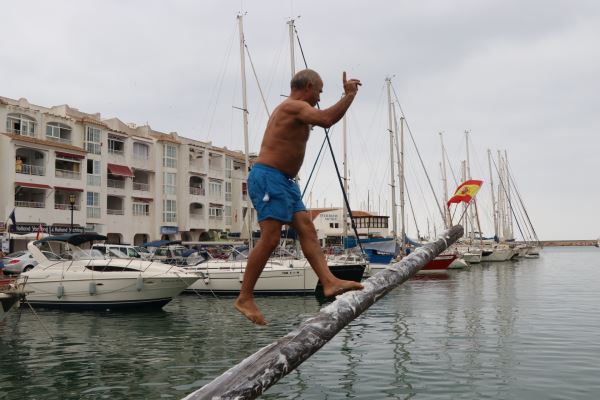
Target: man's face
(315, 92)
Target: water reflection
(502, 330)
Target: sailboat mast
(292, 56)
(509, 214)
(401, 183)
(388, 82)
(468, 177)
(494, 213)
(445, 184)
(247, 217)
(344, 149)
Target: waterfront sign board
(169, 230)
(21, 229)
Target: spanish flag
(465, 192)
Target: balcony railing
(59, 139)
(198, 191)
(21, 132)
(115, 183)
(62, 206)
(63, 173)
(115, 212)
(30, 204)
(142, 187)
(216, 217)
(30, 169)
(115, 152)
(197, 216)
(227, 196)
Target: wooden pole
(252, 376)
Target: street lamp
(72, 199)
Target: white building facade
(128, 182)
(329, 224)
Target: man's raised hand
(351, 86)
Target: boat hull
(289, 278)
(102, 294)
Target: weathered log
(253, 375)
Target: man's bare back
(288, 129)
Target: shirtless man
(275, 194)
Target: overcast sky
(521, 76)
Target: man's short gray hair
(302, 78)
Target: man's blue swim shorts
(274, 194)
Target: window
(93, 142)
(215, 212)
(20, 124)
(116, 145)
(215, 189)
(141, 209)
(93, 205)
(58, 132)
(170, 185)
(170, 211)
(227, 191)
(228, 167)
(170, 158)
(93, 173)
(141, 151)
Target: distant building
(329, 224)
(130, 183)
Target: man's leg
(312, 250)
(270, 232)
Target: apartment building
(130, 183)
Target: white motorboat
(279, 277)
(86, 279)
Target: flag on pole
(465, 192)
(12, 217)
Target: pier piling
(253, 375)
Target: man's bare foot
(250, 310)
(339, 286)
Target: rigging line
(450, 165)
(521, 201)
(337, 170)
(507, 197)
(262, 96)
(219, 85)
(412, 209)
(418, 152)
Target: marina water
(528, 329)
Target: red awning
(69, 155)
(143, 199)
(33, 185)
(120, 170)
(215, 205)
(68, 189)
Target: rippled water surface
(520, 330)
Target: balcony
(28, 169)
(115, 183)
(30, 204)
(93, 180)
(65, 140)
(115, 212)
(198, 191)
(62, 206)
(63, 173)
(142, 187)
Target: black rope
(337, 170)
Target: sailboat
(442, 261)
(287, 275)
